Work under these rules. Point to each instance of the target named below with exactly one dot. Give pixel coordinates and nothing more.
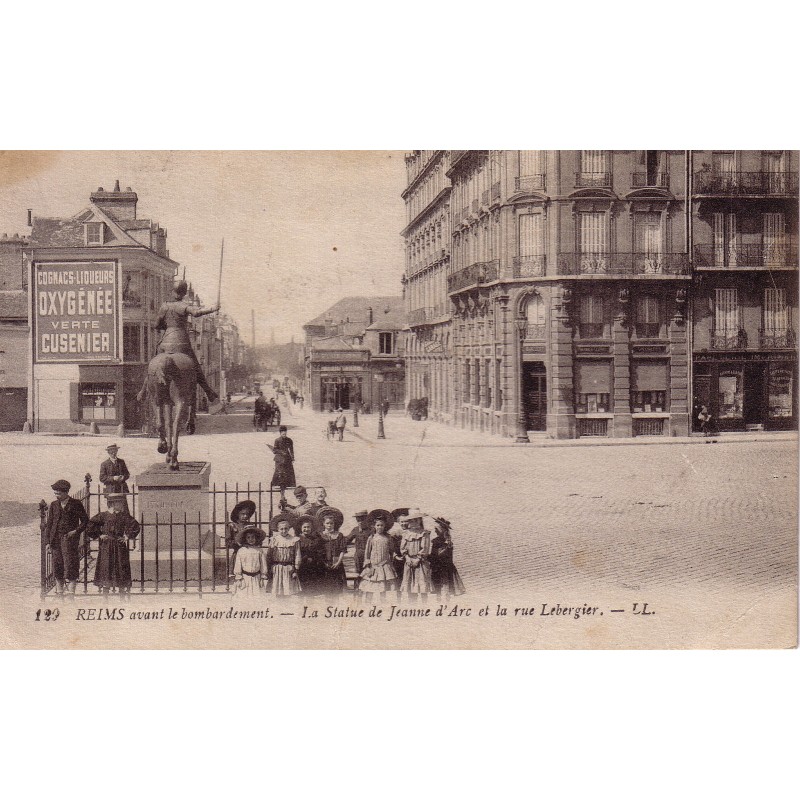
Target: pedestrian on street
(378, 574)
(283, 455)
(335, 582)
(444, 575)
(66, 522)
(114, 528)
(239, 520)
(705, 420)
(284, 557)
(341, 422)
(359, 536)
(415, 547)
(251, 569)
(114, 474)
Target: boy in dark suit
(66, 521)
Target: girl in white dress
(250, 568)
(378, 575)
(284, 557)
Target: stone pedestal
(177, 529)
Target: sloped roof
(389, 317)
(334, 343)
(355, 308)
(13, 304)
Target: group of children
(305, 553)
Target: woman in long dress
(312, 555)
(284, 557)
(378, 575)
(444, 575)
(250, 567)
(283, 451)
(335, 579)
(415, 547)
(115, 528)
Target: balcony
(532, 332)
(474, 274)
(642, 180)
(736, 184)
(529, 183)
(593, 180)
(777, 340)
(496, 191)
(420, 316)
(728, 340)
(774, 255)
(645, 264)
(530, 266)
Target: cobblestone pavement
(701, 518)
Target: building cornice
(417, 179)
(427, 210)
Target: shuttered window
(594, 161)
(726, 311)
(530, 235)
(592, 307)
(534, 311)
(776, 312)
(593, 387)
(775, 252)
(593, 232)
(648, 316)
(725, 240)
(530, 163)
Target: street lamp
(522, 426)
(379, 381)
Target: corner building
(569, 281)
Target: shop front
(746, 391)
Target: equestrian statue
(174, 373)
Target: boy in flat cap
(66, 522)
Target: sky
(302, 229)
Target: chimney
(369, 311)
(117, 204)
(30, 217)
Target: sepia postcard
(424, 399)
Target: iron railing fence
(480, 272)
(614, 263)
(774, 255)
(530, 266)
(593, 180)
(659, 180)
(188, 553)
(745, 183)
(777, 340)
(529, 183)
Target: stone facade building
(577, 282)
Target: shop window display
(780, 394)
(98, 402)
(731, 395)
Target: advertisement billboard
(76, 312)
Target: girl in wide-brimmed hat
(284, 557)
(250, 567)
(415, 547)
(379, 575)
(240, 517)
(312, 555)
(330, 521)
(446, 580)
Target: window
(94, 233)
(530, 235)
(535, 314)
(726, 311)
(656, 167)
(593, 242)
(776, 312)
(131, 343)
(386, 344)
(649, 391)
(648, 317)
(773, 164)
(592, 317)
(467, 381)
(595, 162)
(780, 393)
(725, 240)
(476, 383)
(132, 289)
(98, 401)
(498, 383)
(592, 387)
(775, 250)
(731, 394)
(724, 164)
(488, 383)
(530, 163)
(648, 241)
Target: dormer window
(386, 344)
(94, 233)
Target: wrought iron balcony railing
(728, 340)
(782, 254)
(640, 180)
(596, 180)
(623, 264)
(530, 266)
(777, 340)
(745, 183)
(529, 183)
(481, 272)
(420, 316)
(533, 331)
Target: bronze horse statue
(171, 385)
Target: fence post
(43, 539)
(87, 504)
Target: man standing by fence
(66, 521)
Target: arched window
(535, 314)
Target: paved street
(707, 520)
